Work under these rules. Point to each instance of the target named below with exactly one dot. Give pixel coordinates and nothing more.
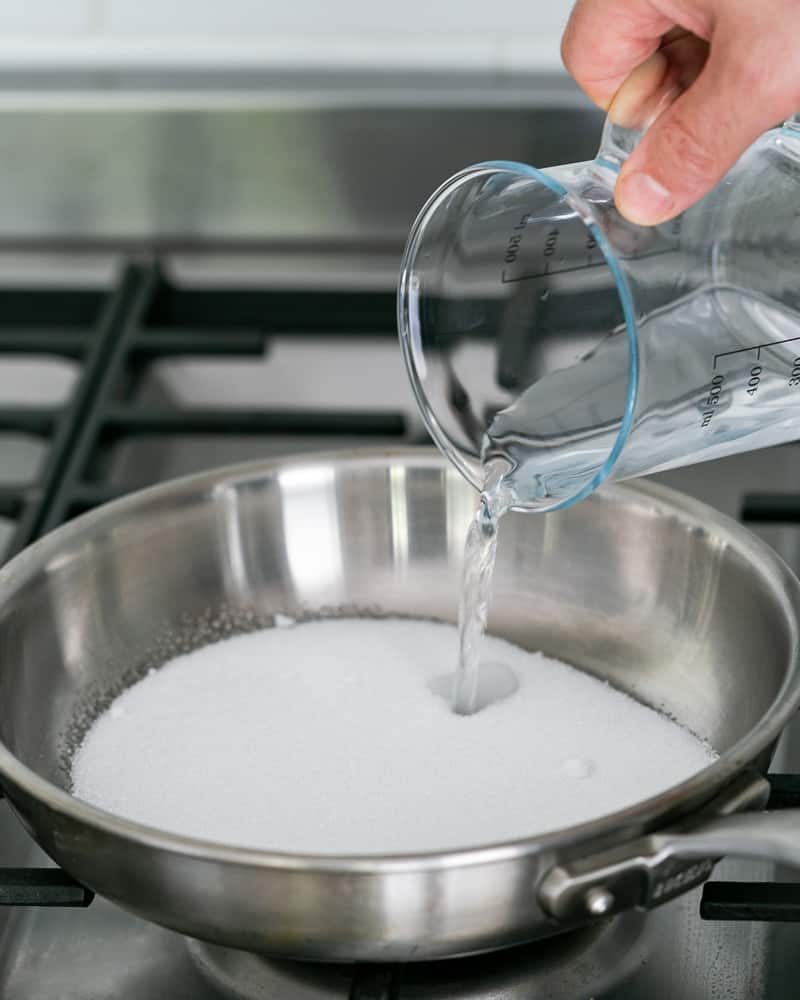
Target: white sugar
(326, 738)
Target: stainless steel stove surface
(147, 405)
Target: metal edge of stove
(336, 171)
(159, 82)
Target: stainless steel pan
(659, 594)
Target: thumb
(698, 138)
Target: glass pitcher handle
(789, 137)
(616, 145)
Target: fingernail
(642, 200)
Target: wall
(517, 35)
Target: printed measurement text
(514, 240)
(754, 380)
(712, 399)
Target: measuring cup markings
(590, 262)
(772, 372)
(756, 347)
(712, 400)
(514, 240)
(547, 236)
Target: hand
(711, 74)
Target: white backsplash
(452, 34)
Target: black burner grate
(115, 334)
(771, 508)
(41, 887)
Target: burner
(581, 964)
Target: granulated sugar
(325, 737)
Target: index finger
(605, 40)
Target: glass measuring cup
(553, 345)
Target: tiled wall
(473, 34)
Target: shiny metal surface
(653, 591)
(575, 965)
(305, 177)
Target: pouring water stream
(475, 685)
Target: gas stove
(160, 378)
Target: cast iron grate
(771, 508)
(113, 336)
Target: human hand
(711, 75)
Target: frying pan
(660, 595)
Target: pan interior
(326, 739)
(683, 613)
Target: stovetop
(156, 380)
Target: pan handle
(655, 868)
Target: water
(496, 682)
(480, 551)
(477, 685)
(719, 373)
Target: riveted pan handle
(649, 871)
